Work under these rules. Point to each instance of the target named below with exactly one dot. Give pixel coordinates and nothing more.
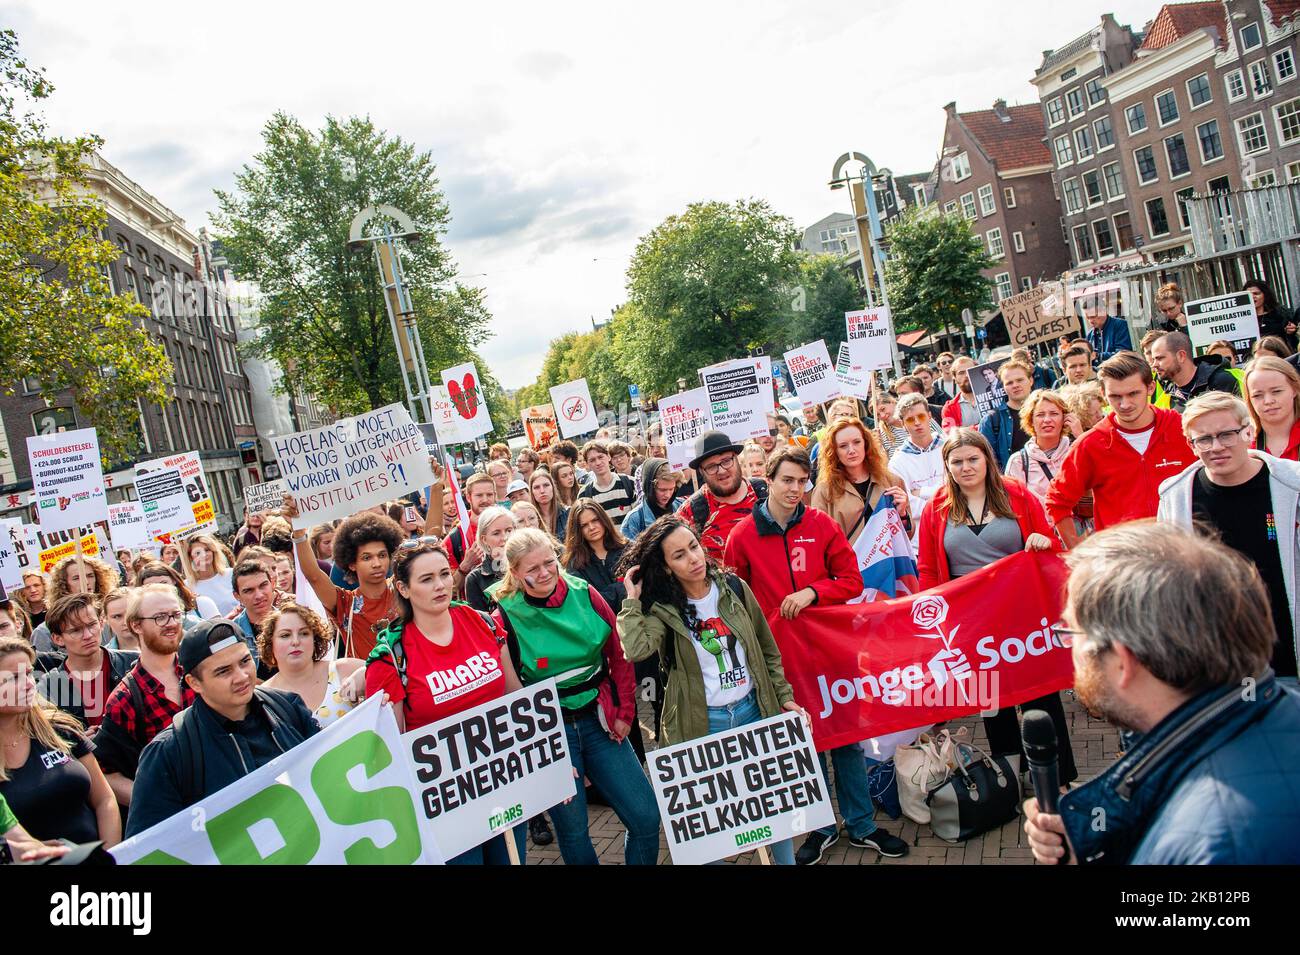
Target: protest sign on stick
(814, 377)
(684, 417)
(128, 527)
(987, 387)
(1229, 318)
(67, 479)
(265, 497)
(1034, 316)
(855, 380)
(444, 417)
(177, 487)
(11, 554)
(867, 333)
(465, 389)
(575, 412)
(540, 426)
(740, 396)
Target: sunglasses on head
(414, 542)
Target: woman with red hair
(852, 476)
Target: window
(1167, 107)
(1250, 36)
(1235, 85)
(1026, 283)
(1252, 134)
(1176, 153)
(1293, 171)
(1018, 238)
(1123, 231)
(996, 249)
(1267, 178)
(1064, 152)
(1004, 285)
(1198, 90)
(1105, 133)
(1184, 216)
(1222, 184)
(987, 205)
(1074, 99)
(1096, 92)
(1145, 160)
(1136, 117)
(968, 205)
(1261, 83)
(1055, 112)
(950, 207)
(1288, 122)
(1092, 187)
(918, 195)
(1083, 139)
(1284, 64)
(1105, 243)
(1008, 197)
(1069, 74)
(1156, 216)
(1207, 134)
(1114, 184)
(1070, 191)
(1083, 244)
(960, 167)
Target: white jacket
(921, 471)
(1043, 466)
(1284, 483)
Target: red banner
(974, 644)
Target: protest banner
(344, 797)
(1031, 318)
(353, 464)
(987, 389)
(52, 549)
(200, 517)
(854, 379)
(575, 412)
(540, 427)
(265, 497)
(813, 374)
(740, 789)
(444, 416)
(1229, 318)
(684, 417)
(487, 769)
(465, 390)
(67, 479)
(867, 332)
(127, 526)
(866, 669)
(740, 396)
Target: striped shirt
(618, 499)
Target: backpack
(668, 659)
(699, 504)
(399, 655)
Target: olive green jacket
(685, 712)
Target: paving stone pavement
(1095, 745)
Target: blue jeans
(739, 714)
(853, 790)
(493, 852)
(615, 769)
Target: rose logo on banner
(574, 409)
(929, 613)
(464, 397)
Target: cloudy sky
(562, 132)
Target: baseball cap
(206, 639)
(515, 485)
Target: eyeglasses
(1171, 309)
(162, 619)
(415, 542)
(1065, 635)
(1227, 439)
(726, 464)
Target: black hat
(209, 637)
(711, 443)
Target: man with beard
(727, 498)
(961, 411)
(1212, 755)
(151, 693)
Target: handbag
(921, 767)
(982, 793)
(882, 783)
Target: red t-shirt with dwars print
(722, 520)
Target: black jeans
(1003, 730)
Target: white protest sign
(50, 547)
(166, 505)
(1229, 318)
(813, 374)
(345, 796)
(868, 333)
(490, 768)
(453, 489)
(67, 479)
(575, 412)
(444, 416)
(739, 789)
(740, 396)
(268, 496)
(986, 387)
(353, 464)
(854, 379)
(201, 514)
(128, 527)
(11, 548)
(465, 389)
(684, 417)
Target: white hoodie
(922, 472)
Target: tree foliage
(60, 324)
(827, 289)
(575, 355)
(934, 270)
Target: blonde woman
(73, 575)
(1273, 397)
(208, 573)
(1046, 418)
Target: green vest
(565, 642)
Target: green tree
(60, 324)
(704, 286)
(323, 318)
(826, 290)
(575, 355)
(934, 270)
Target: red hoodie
(1124, 485)
(812, 552)
(932, 557)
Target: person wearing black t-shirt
(1249, 499)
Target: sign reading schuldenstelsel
(1229, 318)
(740, 396)
(67, 479)
(867, 332)
(684, 417)
(353, 464)
(813, 374)
(490, 768)
(739, 789)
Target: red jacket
(811, 552)
(951, 417)
(1124, 485)
(932, 559)
(1292, 452)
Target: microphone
(1039, 736)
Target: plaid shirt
(143, 726)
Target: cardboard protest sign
(444, 416)
(868, 333)
(265, 497)
(1031, 318)
(67, 479)
(194, 515)
(739, 789)
(540, 427)
(988, 390)
(344, 797)
(353, 464)
(854, 379)
(128, 527)
(740, 396)
(490, 768)
(813, 374)
(1229, 318)
(465, 389)
(684, 417)
(575, 412)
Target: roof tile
(1011, 145)
(1177, 20)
